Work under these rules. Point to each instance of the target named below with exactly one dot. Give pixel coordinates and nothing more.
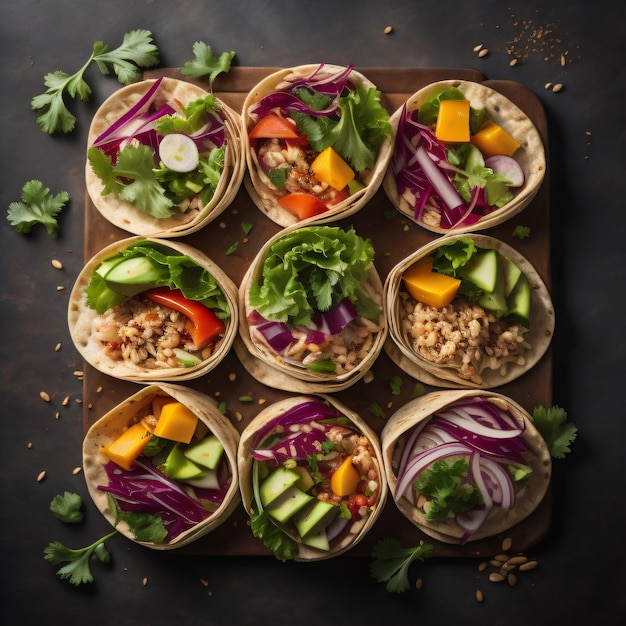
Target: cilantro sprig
(390, 562)
(553, 426)
(136, 51)
(38, 206)
(205, 64)
(67, 507)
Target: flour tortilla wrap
(263, 193)
(275, 370)
(528, 495)
(500, 110)
(81, 319)
(246, 463)
(112, 424)
(134, 220)
(539, 335)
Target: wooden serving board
(393, 240)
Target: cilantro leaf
(395, 383)
(66, 507)
(377, 410)
(135, 52)
(283, 546)
(390, 562)
(205, 64)
(444, 485)
(557, 432)
(521, 232)
(76, 567)
(38, 206)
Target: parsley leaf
(135, 52)
(283, 547)
(395, 383)
(553, 427)
(377, 410)
(76, 566)
(521, 232)
(390, 562)
(38, 206)
(66, 507)
(205, 64)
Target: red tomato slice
(302, 205)
(272, 126)
(203, 325)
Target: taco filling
(466, 308)
(155, 308)
(315, 477)
(313, 304)
(315, 139)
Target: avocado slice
(132, 276)
(482, 269)
(207, 452)
(178, 467)
(287, 504)
(276, 483)
(519, 302)
(315, 517)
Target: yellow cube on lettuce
(331, 169)
(492, 140)
(430, 288)
(129, 445)
(452, 124)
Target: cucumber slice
(519, 302)
(287, 504)
(510, 273)
(494, 301)
(277, 483)
(482, 269)
(207, 452)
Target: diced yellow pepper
(345, 479)
(492, 139)
(430, 288)
(330, 168)
(176, 422)
(453, 121)
(129, 445)
(158, 402)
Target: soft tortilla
(269, 367)
(499, 520)
(113, 423)
(246, 462)
(134, 220)
(530, 155)
(539, 336)
(80, 319)
(263, 193)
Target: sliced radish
(179, 152)
(507, 166)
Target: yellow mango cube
(176, 422)
(331, 169)
(492, 140)
(430, 288)
(129, 445)
(346, 478)
(453, 121)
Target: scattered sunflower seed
(388, 30)
(479, 595)
(57, 347)
(77, 470)
(44, 396)
(41, 476)
(57, 264)
(483, 53)
(558, 87)
(478, 47)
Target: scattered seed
(478, 47)
(29, 445)
(99, 390)
(418, 583)
(60, 287)
(483, 53)
(388, 30)
(511, 579)
(232, 376)
(482, 566)
(66, 401)
(245, 239)
(57, 264)
(495, 563)
(44, 396)
(369, 377)
(496, 577)
(77, 470)
(238, 416)
(562, 60)
(262, 401)
(78, 373)
(558, 87)
(525, 567)
(588, 133)
(517, 560)
(41, 476)
(502, 558)
(204, 583)
(479, 595)
(507, 542)
(547, 86)
(513, 62)
(57, 415)
(144, 582)
(222, 224)
(57, 347)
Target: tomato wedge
(203, 325)
(302, 205)
(273, 127)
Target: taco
(465, 158)
(147, 309)
(464, 465)
(317, 142)
(311, 477)
(164, 158)
(467, 311)
(162, 466)
(311, 313)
